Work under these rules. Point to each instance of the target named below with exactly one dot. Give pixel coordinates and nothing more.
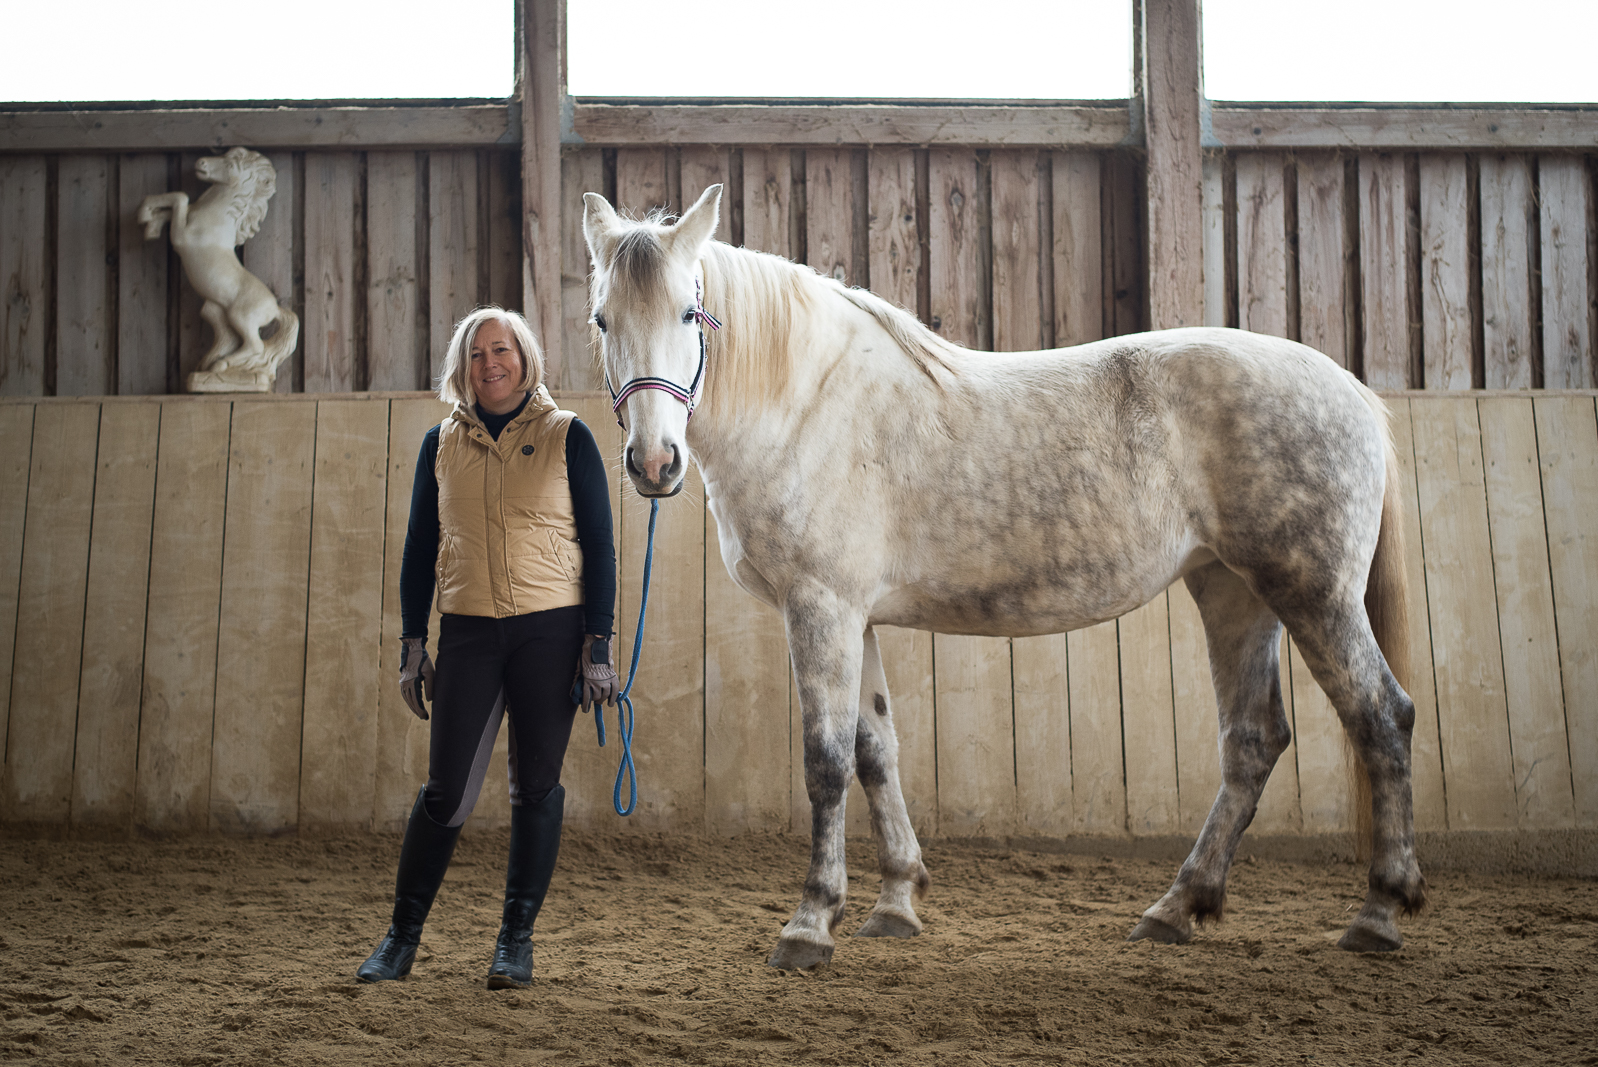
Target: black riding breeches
(524, 664)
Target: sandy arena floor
(236, 951)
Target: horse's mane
(251, 180)
(761, 300)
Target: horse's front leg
(824, 640)
(157, 208)
(876, 754)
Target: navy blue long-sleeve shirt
(585, 471)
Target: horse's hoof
(886, 924)
(1163, 932)
(1368, 938)
(794, 955)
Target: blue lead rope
(624, 703)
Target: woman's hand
(416, 675)
(598, 677)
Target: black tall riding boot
(424, 857)
(534, 845)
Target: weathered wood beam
(261, 128)
(543, 92)
(1174, 234)
(1077, 125)
(1404, 126)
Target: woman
(510, 519)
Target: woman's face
(496, 368)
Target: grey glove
(416, 675)
(598, 677)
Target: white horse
(864, 471)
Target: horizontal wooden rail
(1403, 126)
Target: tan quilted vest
(507, 536)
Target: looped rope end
(628, 771)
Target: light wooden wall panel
(1445, 270)
(23, 225)
(1148, 718)
(343, 638)
(1098, 764)
(180, 631)
(260, 661)
(40, 736)
(1508, 221)
(1567, 452)
(104, 773)
(1198, 763)
(1280, 810)
(16, 451)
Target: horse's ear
(599, 221)
(697, 225)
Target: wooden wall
(378, 252)
(1434, 270)
(198, 626)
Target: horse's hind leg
(1243, 637)
(1341, 651)
(876, 755)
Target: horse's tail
(281, 344)
(1387, 606)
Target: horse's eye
(599, 320)
(688, 317)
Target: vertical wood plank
(344, 650)
(1215, 239)
(583, 171)
(1044, 799)
(331, 362)
(642, 184)
(894, 249)
(701, 167)
(1472, 718)
(1563, 191)
(747, 772)
(397, 335)
(451, 247)
(1078, 248)
(1098, 768)
(1426, 758)
(16, 449)
(1124, 270)
(180, 630)
(1521, 578)
(829, 212)
(1324, 799)
(1321, 255)
(269, 255)
(1148, 718)
(141, 281)
(260, 663)
(84, 365)
(1172, 85)
(907, 663)
(50, 598)
(402, 739)
(22, 247)
(1567, 443)
(1017, 276)
(1444, 271)
(954, 263)
(1198, 764)
(1279, 809)
(1261, 243)
(104, 773)
(1508, 220)
(768, 191)
(505, 237)
(590, 771)
(1383, 244)
(542, 54)
(976, 738)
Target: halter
(689, 396)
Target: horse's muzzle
(669, 480)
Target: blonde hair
(455, 379)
